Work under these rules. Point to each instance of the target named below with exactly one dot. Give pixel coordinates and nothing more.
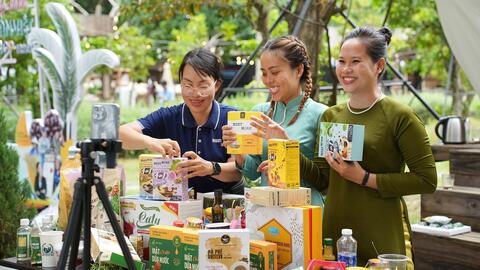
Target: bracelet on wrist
(365, 178)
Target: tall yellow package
(284, 163)
(247, 142)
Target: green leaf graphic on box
(149, 208)
(173, 166)
(344, 127)
(329, 126)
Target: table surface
(12, 263)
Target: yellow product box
(263, 255)
(224, 249)
(166, 250)
(272, 196)
(284, 163)
(190, 249)
(297, 231)
(145, 162)
(247, 142)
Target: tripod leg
(76, 241)
(87, 224)
(102, 194)
(74, 221)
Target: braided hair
(295, 52)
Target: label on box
(166, 251)
(190, 249)
(145, 176)
(246, 142)
(345, 139)
(284, 163)
(167, 185)
(224, 249)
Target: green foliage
(133, 48)
(193, 35)
(13, 195)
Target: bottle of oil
(217, 208)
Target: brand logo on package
(47, 249)
(273, 231)
(225, 239)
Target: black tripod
(81, 204)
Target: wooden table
(441, 152)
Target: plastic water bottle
(23, 240)
(35, 243)
(347, 248)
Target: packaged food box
(297, 231)
(166, 250)
(140, 214)
(272, 196)
(145, 162)
(284, 163)
(224, 249)
(190, 248)
(168, 185)
(246, 142)
(263, 255)
(105, 248)
(345, 139)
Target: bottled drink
(23, 240)
(217, 208)
(347, 248)
(328, 249)
(46, 224)
(35, 244)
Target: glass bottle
(217, 208)
(328, 249)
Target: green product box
(166, 249)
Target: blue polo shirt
(177, 123)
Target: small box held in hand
(345, 139)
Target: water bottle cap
(346, 231)
(24, 222)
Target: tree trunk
(261, 21)
(311, 33)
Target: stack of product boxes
(163, 199)
(281, 213)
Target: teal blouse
(304, 130)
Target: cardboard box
(224, 249)
(140, 214)
(167, 185)
(272, 196)
(263, 255)
(346, 139)
(166, 250)
(190, 248)
(105, 248)
(247, 142)
(297, 231)
(284, 163)
(145, 162)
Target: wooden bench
(459, 252)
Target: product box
(140, 214)
(272, 196)
(145, 162)
(297, 231)
(346, 139)
(114, 180)
(190, 248)
(284, 163)
(105, 248)
(224, 249)
(166, 250)
(167, 185)
(263, 255)
(246, 142)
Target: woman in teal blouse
(285, 67)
